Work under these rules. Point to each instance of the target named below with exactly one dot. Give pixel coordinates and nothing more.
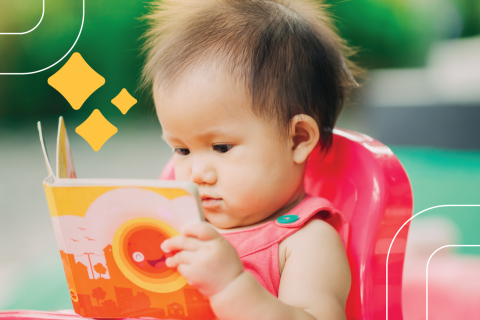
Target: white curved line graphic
(43, 13)
(66, 54)
(393, 240)
(450, 245)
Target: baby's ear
(304, 136)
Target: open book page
(44, 149)
(65, 167)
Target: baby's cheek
(247, 191)
(239, 182)
(182, 170)
(263, 188)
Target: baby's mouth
(159, 263)
(208, 202)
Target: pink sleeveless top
(258, 246)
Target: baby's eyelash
(222, 148)
(182, 151)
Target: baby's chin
(222, 221)
(225, 221)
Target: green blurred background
(388, 34)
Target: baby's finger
(185, 271)
(183, 257)
(201, 231)
(190, 273)
(180, 243)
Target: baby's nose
(203, 175)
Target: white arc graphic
(428, 262)
(66, 54)
(393, 240)
(19, 33)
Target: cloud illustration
(107, 213)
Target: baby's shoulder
(314, 232)
(317, 237)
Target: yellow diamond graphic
(124, 101)
(96, 130)
(76, 81)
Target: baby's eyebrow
(214, 133)
(207, 135)
(171, 139)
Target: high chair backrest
(364, 180)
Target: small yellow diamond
(96, 130)
(76, 81)
(124, 101)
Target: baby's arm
(315, 278)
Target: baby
(245, 90)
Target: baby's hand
(205, 258)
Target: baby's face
(243, 168)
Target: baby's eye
(222, 148)
(182, 151)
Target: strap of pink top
(252, 240)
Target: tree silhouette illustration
(110, 306)
(98, 294)
(100, 269)
(142, 300)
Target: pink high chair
(364, 179)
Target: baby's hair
(286, 53)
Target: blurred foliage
(470, 10)
(396, 33)
(387, 33)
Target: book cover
(109, 233)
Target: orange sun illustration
(73, 295)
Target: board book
(109, 233)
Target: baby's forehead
(204, 92)
(202, 74)
(205, 104)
